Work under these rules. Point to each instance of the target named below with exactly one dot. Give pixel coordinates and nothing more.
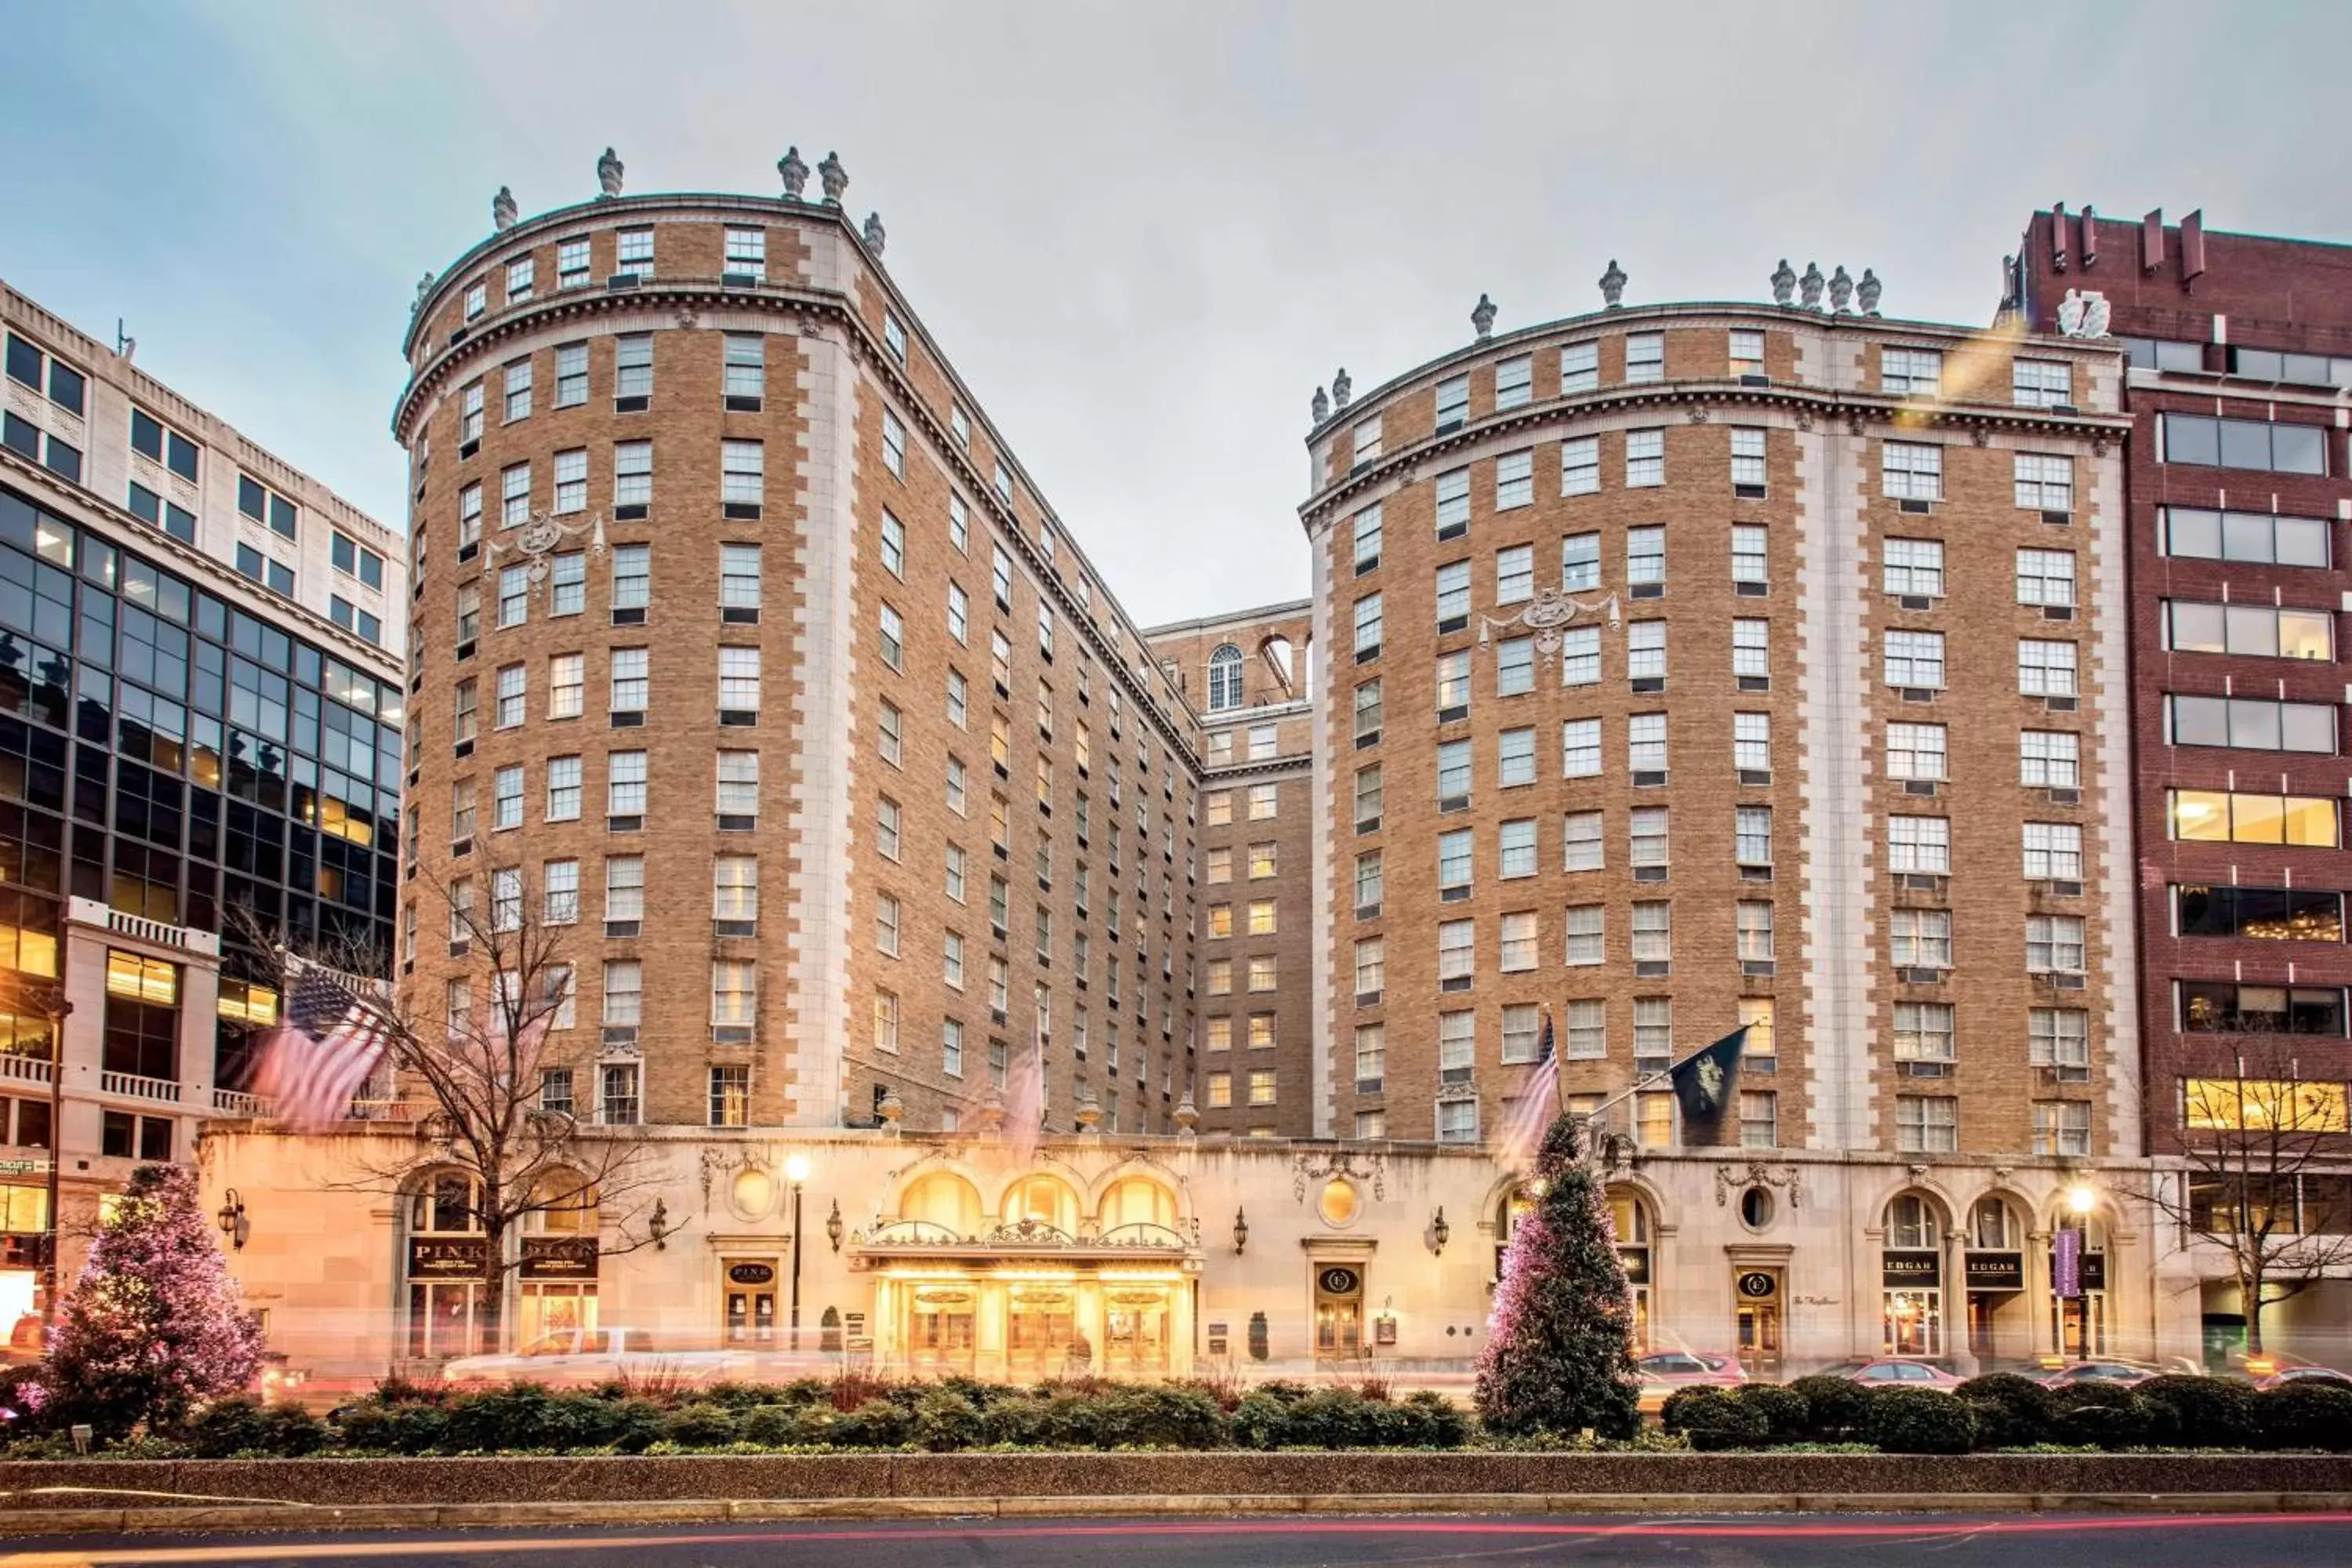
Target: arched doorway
(2078, 1291)
(1911, 1276)
(444, 1254)
(1630, 1211)
(1992, 1265)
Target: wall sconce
(658, 1225)
(1440, 1233)
(1240, 1231)
(233, 1223)
(833, 1225)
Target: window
(633, 372)
(1454, 855)
(2211, 1006)
(1647, 835)
(2244, 444)
(1653, 931)
(2044, 483)
(1581, 841)
(1911, 372)
(739, 680)
(1752, 835)
(1264, 800)
(2250, 536)
(1923, 1032)
(1646, 357)
(1453, 495)
(1653, 1027)
(2241, 817)
(1915, 751)
(1747, 352)
(1580, 656)
(1513, 382)
(355, 559)
(1367, 627)
(1645, 555)
(563, 789)
(1221, 1090)
(1515, 573)
(2255, 631)
(1515, 479)
(2060, 1038)
(734, 989)
(1452, 402)
(1587, 935)
(631, 680)
(1366, 532)
(1751, 651)
(1646, 459)
(1369, 797)
(1456, 950)
(1646, 651)
(2049, 759)
(506, 793)
(2054, 944)
(478, 298)
(894, 449)
(1579, 466)
(514, 495)
(469, 517)
(2062, 1127)
(745, 371)
(893, 634)
(2045, 669)
(1261, 917)
(2041, 382)
(1921, 844)
(514, 595)
(633, 253)
(885, 925)
(1580, 367)
(1368, 713)
(1453, 773)
(1916, 660)
(1919, 939)
(1748, 556)
(1368, 441)
(1645, 742)
(462, 715)
(1516, 757)
(570, 374)
(625, 784)
(560, 892)
(1516, 848)
(572, 263)
(2045, 577)
(1927, 1124)
(747, 252)
(1909, 471)
(1748, 457)
(633, 477)
(741, 480)
(1515, 667)
(2253, 723)
(1913, 567)
(1372, 1057)
(506, 899)
(518, 390)
(1457, 1122)
(1224, 678)
(1368, 884)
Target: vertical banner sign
(2066, 1264)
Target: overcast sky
(1143, 234)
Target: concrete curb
(199, 1518)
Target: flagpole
(1558, 1083)
(1638, 1085)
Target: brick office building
(200, 712)
(2239, 350)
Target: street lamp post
(2079, 1202)
(796, 1167)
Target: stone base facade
(1149, 1257)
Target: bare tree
(488, 1062)
(2268, 1179)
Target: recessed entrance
(1339, 1312)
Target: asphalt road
(1844, 1540)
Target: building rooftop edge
(1229, 619)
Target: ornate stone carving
(1547, 614)
(609, 170)
(1784, 283)
(2083, 314)
(1321, 1167)
(1729, 1179)
(1612, 286)
(834, 178)
(1089, 1111)
(1805, 421)
(1866, 295)
(537, 542)
(1853, 423)
(1342, 388)
(891, 1110)
(874, 233)
(1841, 291)
(1809, 286)
(2099, 445)
(1321, 406)
(1188, 1120)
(424, 287)
(1980, 436)
(1482, 316)
(794, 171)
(502, 210)
(1698, 413)
(686, 318)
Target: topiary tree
(1558, 1352)
(153, 1327)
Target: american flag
(322, 1052)
(1516, 1142)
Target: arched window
(1911, 1223)
(1630, 1216)
(1046, 1199)
(1137, 1200)
(1911, 1270)
(1224, 678)
(943, 1198)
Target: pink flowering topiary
(153, 1327)
(1559, 1355)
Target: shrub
(1713, 1420)
(418, 1428)
(1429, 1420)
(1256, 1421)
(1788, 1415)
(634, 1425)
(395, 1389)
(2208, 1412)
(2011, 1410)
(700, 1424)
(1160, 1418)
(772, 1426)
(1284, 1390)
(1333, 1418)
(853, 1386)
(2129, 1422)
(364, 1427)
(1918, 1421)
(228, 1427)
(876, 1423)
(2304, 1416)
(1834, 1406)
(945, 1420)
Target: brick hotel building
(1674, 667)
(200, 712)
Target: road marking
(1889, 1529)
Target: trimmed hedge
(2011, 1410)
(1714, 1419)
(1834, 1406)
(2304, 1416)
(1918, 1421)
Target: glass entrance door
(1041, 1333)
(1135, 1329)
(1339, 1312)
(940, 1329)
(1756, 1320)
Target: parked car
(2115, 1374)
(2326, 1375)
(1901, 1372)
(583, 1357)
(1663, 1371)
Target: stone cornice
(1858, 411)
